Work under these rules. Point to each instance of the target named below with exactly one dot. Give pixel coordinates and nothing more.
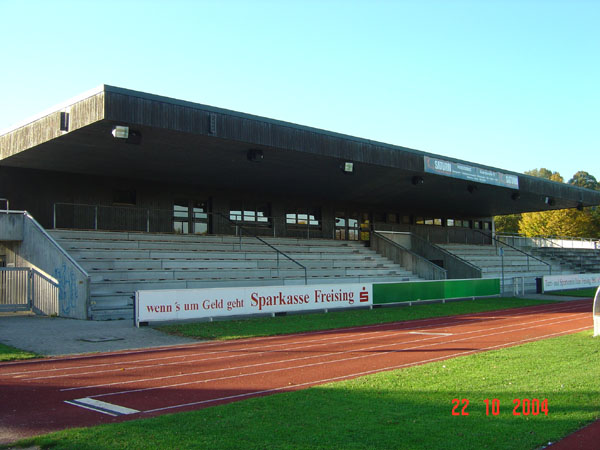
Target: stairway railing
(240, 230)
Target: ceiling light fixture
(255, 155)
(120, 132)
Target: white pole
(596, 313)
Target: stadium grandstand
(117, 191)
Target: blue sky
(513, 84)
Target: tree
(585, 180)
(564, 222)
(508, 224)
(560, 222)
(545, 173)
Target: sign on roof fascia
(470, 173)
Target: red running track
(56, 393)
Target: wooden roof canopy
(180, 141)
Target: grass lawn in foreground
(8, 353)
(296, 323)
(585, 292)
(401, 409)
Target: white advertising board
(580, 280)
(183, 304)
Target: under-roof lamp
(255, 155)
(416, 180)
(120, 132)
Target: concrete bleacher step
(577, 260)
(129, 287)
(201, 246)
(192, 274)
(99, 265)
(516, 265)
(120, 263)
(84, 254)
(109, 238)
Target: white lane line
(101, 407)
(280, 361)
(242, 352)
(185, 356)
(344, 338)
(524, 310)
(289, 360)
(479, 316)
(359, 374)
(430, 333)
(187, 383)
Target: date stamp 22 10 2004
(521, 407)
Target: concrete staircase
(119, 263)
(516, 265)
(577, 260)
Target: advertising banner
(470, 173)
(182, 304)
(580, 280)
(408, 291)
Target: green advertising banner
(434, 290)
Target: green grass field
(8, 353)
(402, 409)
(269, 326)
(585, 293)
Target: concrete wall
(40, 251)
(11, 227)
(402, 238)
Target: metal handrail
(446, 252)
(515, 248)
(554, 241)
(37, 296)
(242, 228)
(45, 277)
(434, 266)
(7, 205)
(266, 222)
(548, 240)
(55, 244)
(554, 245)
